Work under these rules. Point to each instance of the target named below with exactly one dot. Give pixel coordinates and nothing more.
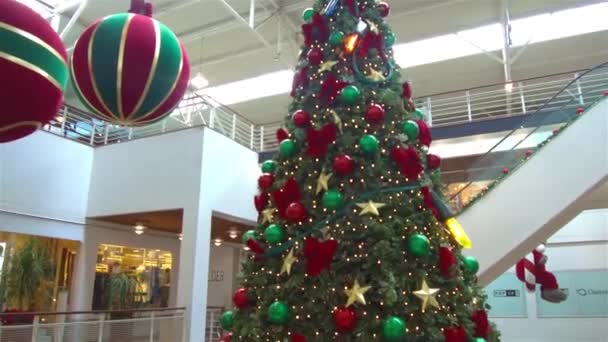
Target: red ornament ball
(296, 337)
(406, 90)
(345, 319)
(580, 110)
(315, 56)
(295, 212)
(433, 161)
(343, 164)
(282, 134)
(375, 114)
(384, 9)
(34, 71)
(240, 298)
(528, 153)
(226, 338)
(300, 118)
(555, 131)
(605, 92)
(505, 170)
(455, 334)
(265, 181)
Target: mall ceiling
(224, 49)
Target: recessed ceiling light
(233, 233)
(217, 242)
(139, 228)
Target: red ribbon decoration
(330, 89)
(319, 141)
(319, 255)
(315, 30)
(428, 202)
(372, 40)
(284, 197)
(300, 79)
(408, 161)
(260, 201)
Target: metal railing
(213, 330)
(495, 101)
(518, 144)
(147, 325)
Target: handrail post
(164, 126)
(468, 95)
(130, 133)
(429, 111)
(105, 134)
(102, 319)
(93, 129)
(35, 328)
(233, 126)
(251, 136)
(65, 118)
(581, 99)
(152, 327)
(212, 117)
(261, 138)
(521, 97)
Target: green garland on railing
(502, 177)
(330, 218)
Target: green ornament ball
(393, 329)
(250, 234)
(350, 95)
(332, 199)
(274, 233)
(269, 166)
(287, 148)
(369, 143)
(410, 128)
(390, 39)
(336, 38)
(227, 320)
(471, 264)
(308, 14)
(418, 244)
(278, 313)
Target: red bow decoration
(255, 246)
(433, 161)
(330, 89)
(141, 7)
(300, 79)
(282, 134)
(482, 325)
(319, 255)
(284, 197)
(428, 202)
(447, 261)
(407, 91)
(295, 337)
(372, 40)
(315, 30)
(408, 161)
(318, 141)
(260, 201)
(351, 6)
(424, 133)
(455, 334)
(226, 337)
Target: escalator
(543, 174)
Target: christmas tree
(354, 240)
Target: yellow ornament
(372, 26)
(375, 75)
(288, 262)
(327, 66)
(458, 233)
(322, 182)
(370, 207)
(268, 215)
(356, 294)
(427, 295)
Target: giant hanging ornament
(33, 68)
(130, 69)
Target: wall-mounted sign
(216, 275)
(587, 295)
(507, 297)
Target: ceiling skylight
(535, 29)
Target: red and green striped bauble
(33, 70)
(129, 69)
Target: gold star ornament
(267, 215)
(288, 262)
(370, 208)
(322, 182)
(375, 75)
(427, 295)
(356, 294)
(327, 66)
(336, 118)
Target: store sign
(507, 297)
(587, 295)
(216, 276)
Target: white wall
(581, 245)
(221, 272)
(46, 176)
